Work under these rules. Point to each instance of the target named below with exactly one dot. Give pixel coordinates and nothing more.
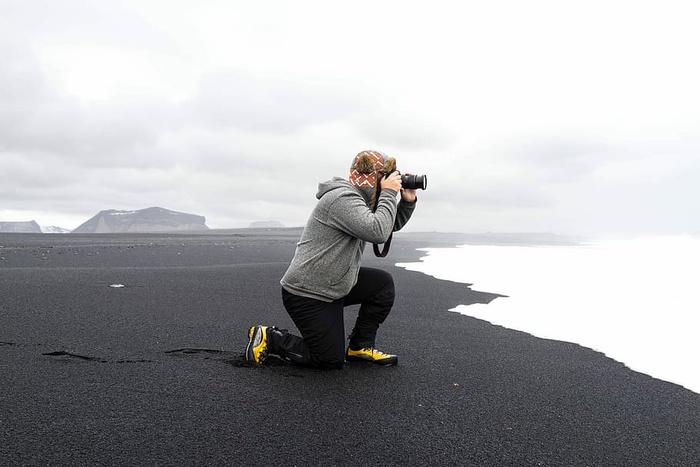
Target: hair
(364, 163)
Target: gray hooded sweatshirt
(328, 255)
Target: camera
(412, 182)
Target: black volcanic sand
(151, 373)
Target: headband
(364, 168)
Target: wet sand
(151, 373)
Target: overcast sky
(562, 116)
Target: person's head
(367, 168)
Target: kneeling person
(325, 274)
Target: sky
(570, 117)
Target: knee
(387, 292)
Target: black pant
(322, 327)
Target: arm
(404, 211)
(406, 207)
(351, 214)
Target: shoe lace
(377, 353)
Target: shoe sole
(254, 333)
(386, 362)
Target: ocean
(634, 300)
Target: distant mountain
(54, 229)
(266, 225)
(153, 219)
(21, 227)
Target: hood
(337, 183)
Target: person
(325, 274)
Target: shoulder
(341, 190)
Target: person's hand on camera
(392, 182)
(409, 195)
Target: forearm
(404, 212)
(357, 219)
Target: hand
(392, 182)
(409, 195)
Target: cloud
(72, 21)
(266, 139)
(402, 129)
(37, 119)
(231, 98)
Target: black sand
(151, 373)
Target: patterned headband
(363, 172)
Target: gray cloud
(35, 119)
(231, 98)
(403, 130)
(557, 158)
(62, 154)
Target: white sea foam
(635, 300)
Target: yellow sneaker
(256, 351)
(369, 354)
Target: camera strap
(385, 250)
(387, 244)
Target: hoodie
(327, 258)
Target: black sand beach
(151, 373)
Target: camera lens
(414, 182)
